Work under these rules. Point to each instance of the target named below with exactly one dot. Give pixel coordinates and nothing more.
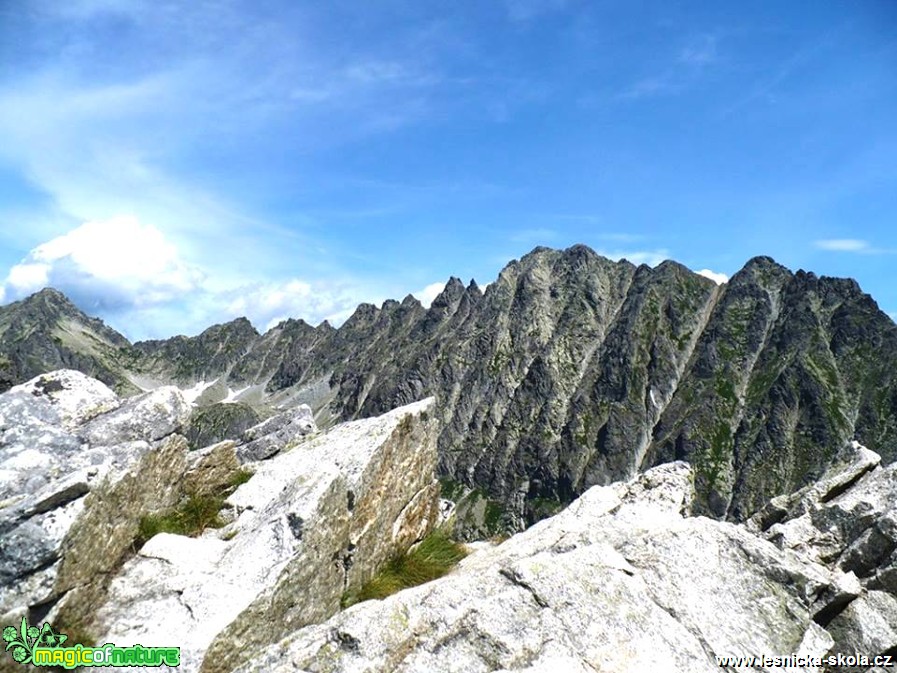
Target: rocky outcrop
(274, 434)
(218, 422)
(570, 370)
(306, 516)
(315, 517)
(79, 469)
(312, 523)
(625, 579)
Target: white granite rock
(620, 581)
(312, 522)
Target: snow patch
(192, 394)
(232, 395)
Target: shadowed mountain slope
(570, 370)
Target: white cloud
(133, 276)
(429, 293)
(267, 304)
(649, 257)
(718, 278)
(844, 245)
(117, 262)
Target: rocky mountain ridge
(570, 370)
(626, 578)
(281, 520)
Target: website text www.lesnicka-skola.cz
(802, 662)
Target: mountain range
(570, 370)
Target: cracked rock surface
(312, 522)
(624, 579)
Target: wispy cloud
(136, 278)
(852, 245)
(766, 85)
(699, 51)
(679, 73)
(148, 138)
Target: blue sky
(174, 164)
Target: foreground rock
(78, 468)
(314, 522)
(622, 580)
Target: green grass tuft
(195, 512)
(192, 516)
(430, 560)
(239, 477)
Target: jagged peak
(473, 289)
(540, 250)
(410, 301)
(673, 268)
(453, 291)
(239, 325)
(761, 266)
(50, 292)
(50, 297)
(292, 323)
(764, 262)
(580, 250)
(362, 313)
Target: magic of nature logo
(44, 647)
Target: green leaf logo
(23, 640)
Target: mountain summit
(570, 370)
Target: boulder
(78, 469)
(149, 417)
(852, 526)
(868, 626)
(622, 580)
(276, 433)
(313, 522)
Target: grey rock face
(76, 481)
(276, 433)
(622, 580)
(148, 417)
(312, 523)
(572, 370)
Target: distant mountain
(46, 332)
(570, 370)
